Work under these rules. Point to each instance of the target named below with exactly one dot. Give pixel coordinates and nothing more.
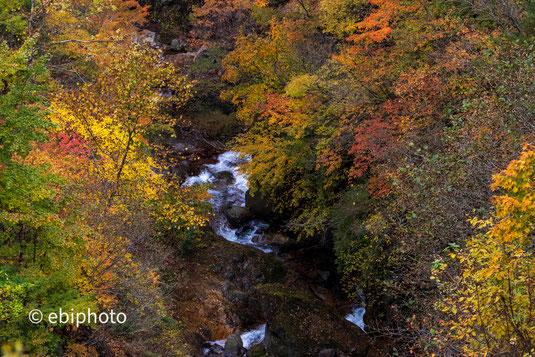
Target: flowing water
(254, 337)
(249, 338)
(228, 188)
(356, 317)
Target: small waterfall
(229, 186)
(249, 339)
(254, 337)
(356, 316)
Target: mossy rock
(300, 324)
(257, 351)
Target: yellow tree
(123, 184)
(112, 114)
(111, 117)
(492, 303)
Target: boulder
(237, 215)
(226, 176)
(148, 37)
(257, 351)
(257, 205)
(234, 345)
(300, 324)
(212, 349)
(324, 275)
(178, 45)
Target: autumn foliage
(396, 135)
(83, 193)
(380, 124)
(491, 302)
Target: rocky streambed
(245, 292)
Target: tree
(340, 16)
(36, 252)
(80, 34)
(111, 117)
(490, 303)
(220, 22)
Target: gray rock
(226, 176)
(213, 350)
(299, 324)
(234, 345)
(237, 215)
(186, 149)
(330, 352)
(324, 275)
(148, 37)
(178, 45)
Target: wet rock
(237, 215)
(178, 45)
(226, 176)
(272, 238)
(234, 345)
(213, 350)
(256, 204)
(330, 352)
(299, 324)
(257, 351)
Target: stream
(228, 187)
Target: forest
(261, 178)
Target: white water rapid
(229, 186)
(249, 338)
(356, 316)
